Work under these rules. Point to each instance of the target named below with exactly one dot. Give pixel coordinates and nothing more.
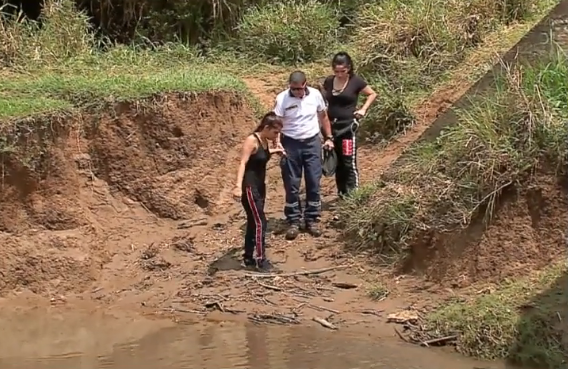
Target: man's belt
(301, 139)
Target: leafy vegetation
(411, 44)
(226, 32)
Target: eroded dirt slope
(99, 188)
(526, 233)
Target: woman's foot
(259, 265)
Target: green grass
(21, 95)
(20, 107)
(520, 321)
(107, 77)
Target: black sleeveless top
(255, 169)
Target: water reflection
(45, 340)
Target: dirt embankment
(526, 233)
(78, 191)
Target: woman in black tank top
(342, 91)
(251, 188)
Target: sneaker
(313, 229)
(249, 264)
(265, 266)
(292, 232)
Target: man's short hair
(298, 77)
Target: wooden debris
(215, 304)
(270, 287)
(324, 323)
(403, 317)
(343, 285)
(372, 312)
(273, 319)
(439, 341)
(294, 274)
(322, 308)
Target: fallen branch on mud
(415, 331)
(344, 285)
(439, 341)
(295, 274)
(324, 323)
(276, 318)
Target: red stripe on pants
(257, 222)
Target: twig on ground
(343, 285)
(400, 335)
(273, 319)
(322, 308)
(215, 304)
(173, 309)
(293, 274)
(441, 340)
(270, 287)
(324, 323)
(372, 312)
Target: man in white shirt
(303, 109)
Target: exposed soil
(526, 233)
(135, 209)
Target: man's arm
(325, 124)
(279, 111)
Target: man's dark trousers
(302, 156)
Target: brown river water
(48, 339)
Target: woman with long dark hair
(342, 91)
(251, 188)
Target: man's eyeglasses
(297, 88)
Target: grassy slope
(121, 75)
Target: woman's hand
(237, 193)
(278, 150)
(360, 113)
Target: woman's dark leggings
(253, 200)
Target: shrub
(295, 31)
(506, 136)
(65, 32)
(387, 117)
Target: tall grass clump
(388, 117)
(291, 32)
(413, 43)
(62, 32)
(508, 135)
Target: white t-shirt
(300, 115)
